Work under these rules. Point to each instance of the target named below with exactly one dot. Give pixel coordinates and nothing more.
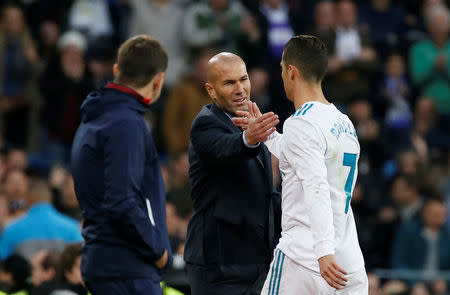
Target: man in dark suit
(231, 234)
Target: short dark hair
(51, 260)
(433, 198)
(139, 59)
(411, 181)
(68, 258)
(309, 55)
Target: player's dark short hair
(139, 59)
(309, 55)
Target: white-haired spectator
(430, 59)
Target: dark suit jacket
(232, 195)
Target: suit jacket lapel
(224, 118)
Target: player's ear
(292, 71)
(210, 90)
(115, 70)
(159, 80)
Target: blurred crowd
(389, 70)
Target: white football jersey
(318, 155)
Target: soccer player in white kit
(318, 252)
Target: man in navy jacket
(231, 234)
(117, 177)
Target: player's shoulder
(205, 115)
(315, 113)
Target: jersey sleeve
(305, 147)
(273, 143)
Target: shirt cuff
(246, 143)
(324, 248)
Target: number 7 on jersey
(349, 160)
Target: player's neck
(307, 92)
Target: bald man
(231, 234)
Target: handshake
(257, 126)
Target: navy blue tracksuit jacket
(119, 187)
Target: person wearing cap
(117, 178)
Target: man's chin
(244, 107)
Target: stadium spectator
(354, 60)
(64, 85)
(430, 59)
(369, 133)
(16, 159)
(163, 20)
(374, 284)
(394, 287)
(429, 126)
(16, 188)
(406, 197)
(15, 271)
(70, 206)
(44, 267)
(278, 26)
(17, 57)
(4, 210)
(92, 18)
(118, 182)
(40, 228)
(56, 182)
(259, 79)
(278, 20)
(173, 228)
(100, 59)
(67, 280)
(423, 244)
(179, 188)
(439, 287)
(385, 21)
(49, 34)
(325, 26)
(223, 24)
(408, 162)
(394, 95)
(184, 102)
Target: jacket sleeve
(214, 143)
(124, 163)
(400, 253)
(305, 149)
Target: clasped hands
(257, 126)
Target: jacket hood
(100, 101)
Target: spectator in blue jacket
(117, 177)
(423, 244)
(42, 227)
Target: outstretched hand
(244, 116)
(258, 126)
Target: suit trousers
(227, 279)
(124, 287)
